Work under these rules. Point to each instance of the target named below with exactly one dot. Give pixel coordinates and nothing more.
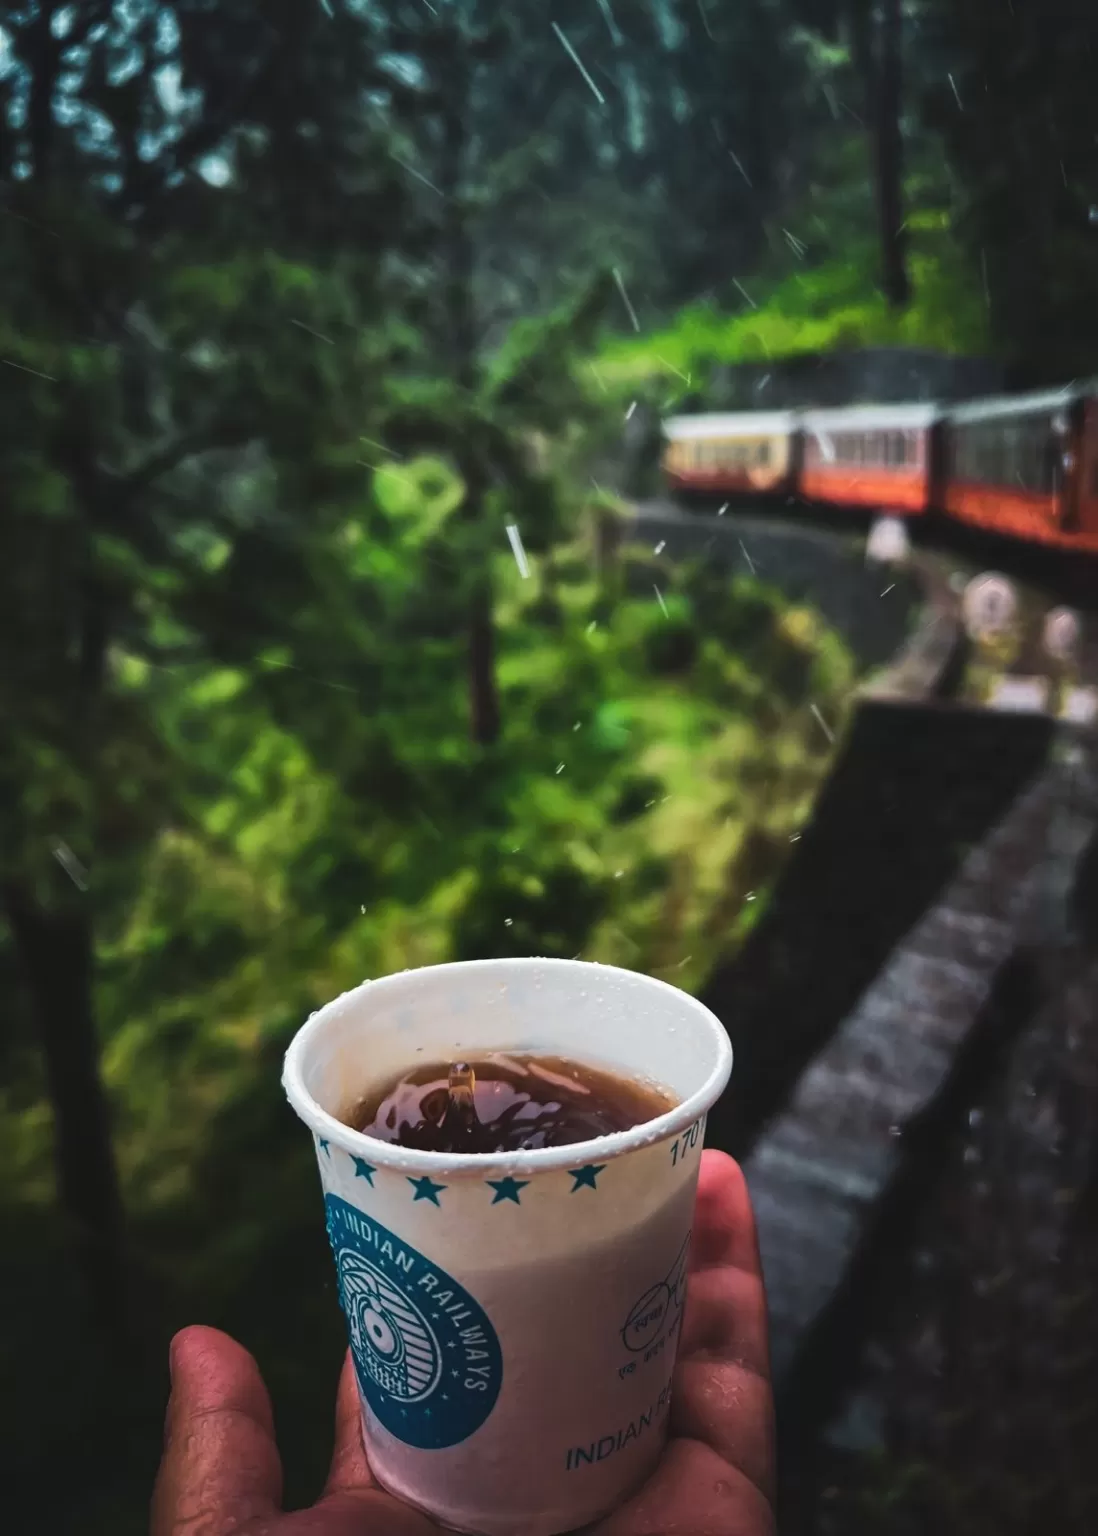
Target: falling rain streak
(625, 301)
(578, 62)
(70, 864)
(828, 732)
(320, 336)
(49, 377)
(659, 599)
(517, 549)
(419, 176)
(738, 163)
(612, 26)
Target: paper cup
(514, 1318)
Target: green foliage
(1013, 100)
(817, 309)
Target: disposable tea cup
(513, 1317)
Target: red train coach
(879, 456)
(1025, 467)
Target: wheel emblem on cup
(390, 1335)
(426, 1356)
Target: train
(1023, 466)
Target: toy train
(1025, 466)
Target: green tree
(1011, 92)
(472, 402)
(177, 400)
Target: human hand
(221, 1474)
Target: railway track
(993, 625)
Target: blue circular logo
(427, 1358)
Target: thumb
(350, 1470)
(220, 1469)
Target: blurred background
(348, 624)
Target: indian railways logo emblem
(427, 1358)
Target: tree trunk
(462, 338)
(888, 141)
(483, 696)
(55, 952)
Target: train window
(1023, 453)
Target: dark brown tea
(506, 1103)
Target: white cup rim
(408, 1160)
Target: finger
(724, 1222)
(726, 1320)
(721, 1395)
(692, 1490)
(220, 1467)
(349, 1469)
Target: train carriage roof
(1039, 403)
(735, 424)
(902, 417)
